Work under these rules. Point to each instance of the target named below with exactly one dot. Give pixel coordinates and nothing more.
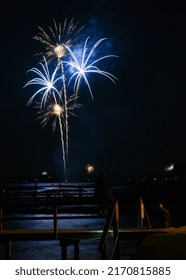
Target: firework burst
(84, 64)
(57, 38)
(46, 81)
(55, 108)
(90, 168)
(55, 111)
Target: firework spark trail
(56, 109)
(63, 148)
(65, 104)
(44, 80)
(83, 67)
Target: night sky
(136, 126)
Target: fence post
(55, 222)
(140, 212)
(104, 252)
(116, 251)
(8, 249)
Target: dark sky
(135, 126)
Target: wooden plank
(49, 234)
(135, 233)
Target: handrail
(54, 217)
(112, 219)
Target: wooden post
(35, 190)
(117, 211)
(63, 251)
(115, 221)
(76, 249)
(140, 212)
(8, 249)
(64, 243)
(55, 222)
(104, 252)
(115, 224)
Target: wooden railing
(112, 220)
(57, 207)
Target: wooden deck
(66, 201)
(49, 234)
(65, 236)
(138, 233)
(73, 236)
(78, 233)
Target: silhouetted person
(103, 193)
(161, 217)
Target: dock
(74, 237)
(60, 204)
(55, 205)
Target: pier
(58, 203)
(54, 205)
